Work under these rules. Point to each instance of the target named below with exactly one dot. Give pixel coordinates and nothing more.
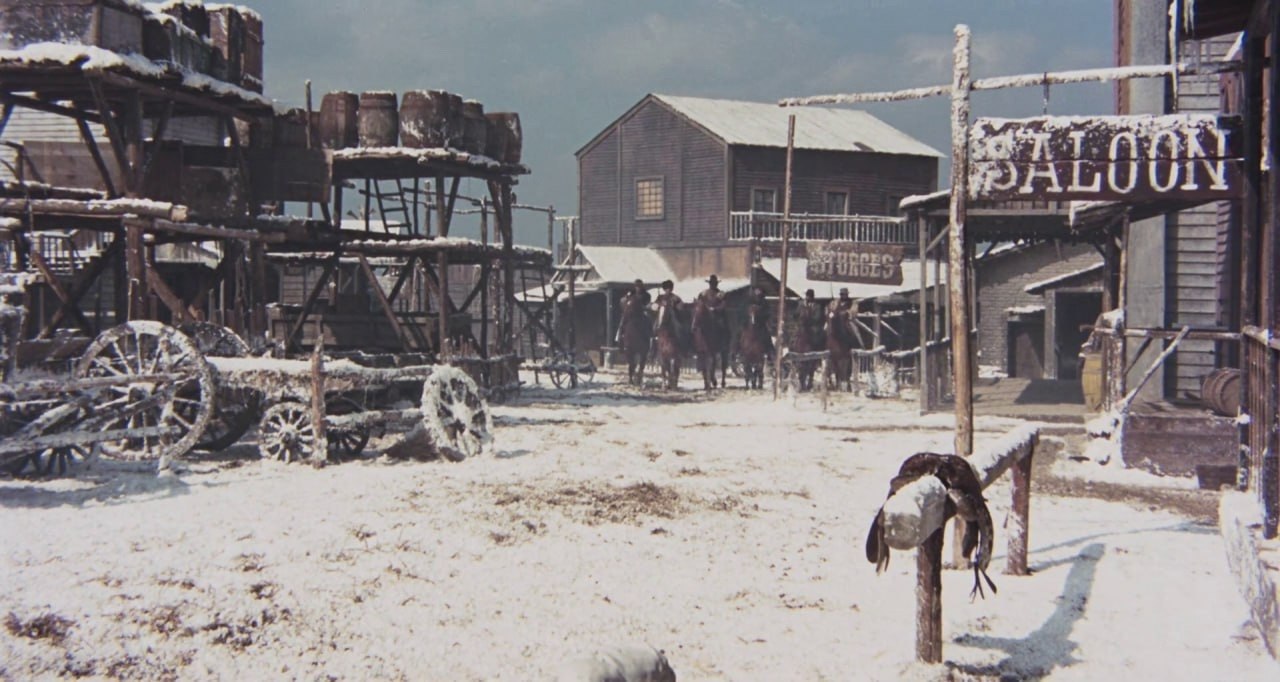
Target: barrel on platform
(455, 127)
(377, 119)
(423, 118)
(475, 127)
(504, 139)
(290, 129)
(339, 128)
(227, 31)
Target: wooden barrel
(455, 128)
(423, 115)
(193, 16)
(1220, 391)
(475, 127)
(227, 29)
(377, 119)
(1091, 380)
(505, 140)
(338, 128)
(290, 129)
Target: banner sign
(855, 262)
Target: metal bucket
(338, 120)
(377, 120)
(475, 127)
(423, 118)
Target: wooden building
(707, 175)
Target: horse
(808, 338)
(841, 337)
(670, 347)
(710, 342)
(636, 337)
(754, 347)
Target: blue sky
(570, 67)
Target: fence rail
(745, 225)
(1260, 467)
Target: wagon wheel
(287, 432)
(237, 407)
(455, 416)
(349, 441)
(183, 404)
(559, 375)
(47, 462)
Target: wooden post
(929, 599)
(136, 273)
(922, 361)
(307, 89)
(959, 284)
(1020, 516)
(573, 321)
(486, 270)
(317, 401)
(258, 296)
(786, 250)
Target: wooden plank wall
(1193, 242)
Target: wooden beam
(310, 303)
(167, 296)
(11, 100)
(83, 283)
(405, 271)
(156, 138)
(51, 279)
(211, 232)
(136, 272)
(91, 143)
(376, 288)
(203, 102)
(115, 134)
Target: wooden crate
(110, 24)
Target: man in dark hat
(636, 293)
(843, 303)
(712, 298)
(810, 316)
(668, 297)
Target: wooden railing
(745, 225)
(1259, 459)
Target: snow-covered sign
(855, 262)
(1179, 156)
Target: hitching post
(786, 252)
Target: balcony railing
(744, 225)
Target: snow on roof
(625, 264)
(1025, 309)
(89, 58)
(923, 199)
(1037, 287)
(763, 124)
(797, 281)
(423, 155)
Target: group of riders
(811, 319)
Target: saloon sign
(855, 262)
(1184, 156)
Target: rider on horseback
(842, 304)
(638, 294)
(712, 298)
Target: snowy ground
(727, 531)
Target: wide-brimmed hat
(668, 284)
(844, 291)
(639, 282)
(808, 293)
(713, 280)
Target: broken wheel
(455, 416)
(287, 433)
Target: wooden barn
(706, 176)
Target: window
(892, 203)
(764, 200)
(649, 204)
(837, 203)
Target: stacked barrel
(421, 119)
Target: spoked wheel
(454, 414)
(237, 407)
(287, 433)
(14, 417)
(175, 409)
(345, 442)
